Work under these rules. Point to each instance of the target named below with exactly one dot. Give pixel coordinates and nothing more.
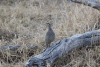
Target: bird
(50, 35)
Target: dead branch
(92, 3)
(62, 47)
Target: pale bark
(92, 3)
(62, 47)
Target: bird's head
(48, 24)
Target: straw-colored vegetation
(27, 18)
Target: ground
(28, 19)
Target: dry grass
(28, 18)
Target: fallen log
(62, 47)
(92, 3)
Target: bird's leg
(48, 45)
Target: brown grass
(28, 18)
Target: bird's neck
(50, 28)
